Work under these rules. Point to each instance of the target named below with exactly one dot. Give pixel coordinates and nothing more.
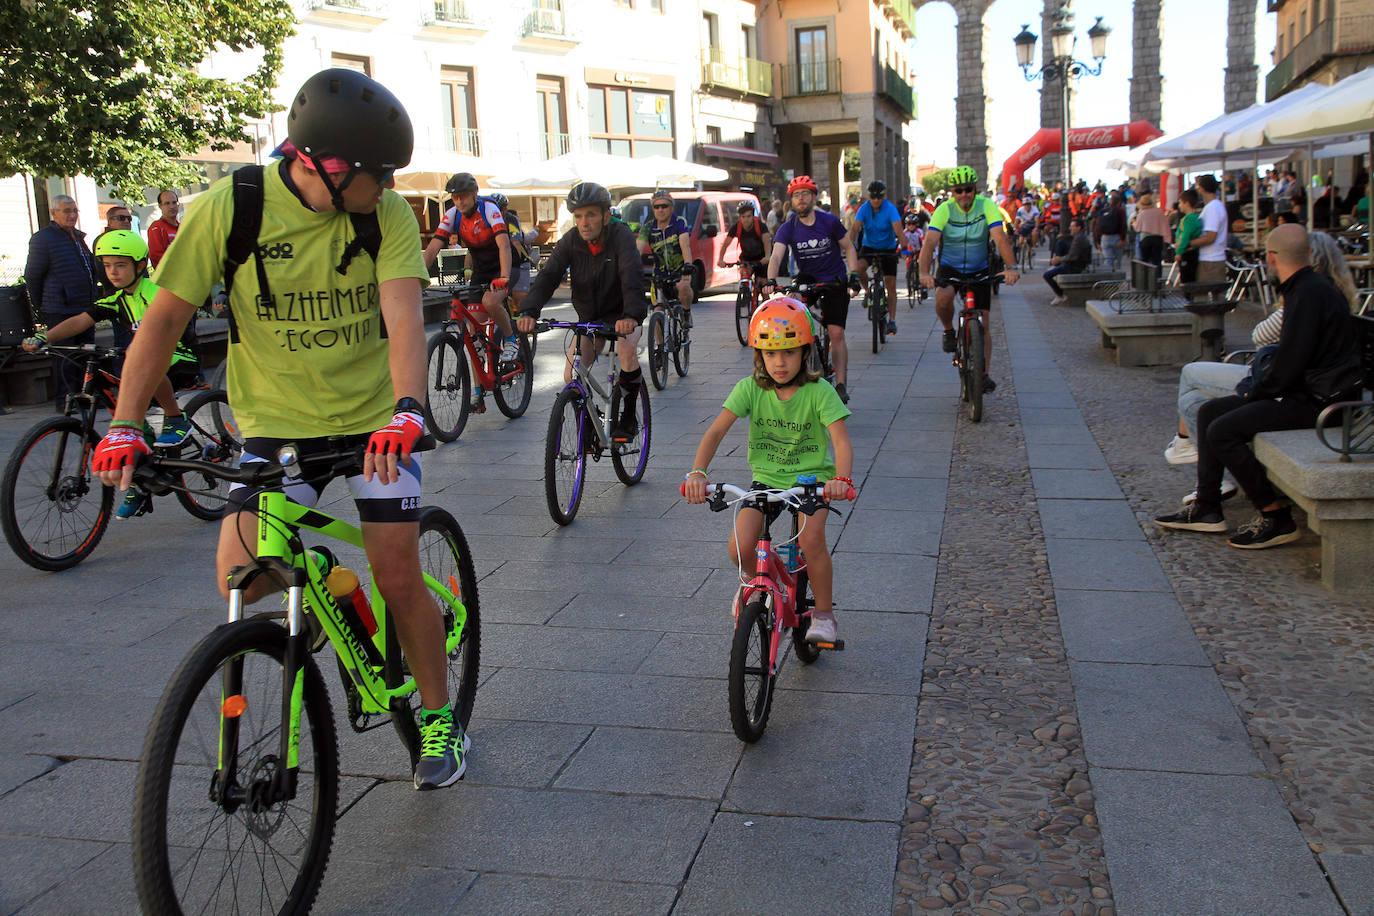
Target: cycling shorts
(485, 276)
(982, 295)
(888, 259)
(520, 283)
(376, 501)
(1026, 228)
(832, 301)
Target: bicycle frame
(595, 400)
(470, 321)
(778, 584)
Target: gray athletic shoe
(443, 753)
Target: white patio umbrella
(676, 173)
(612, 171)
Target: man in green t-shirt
(321, 356)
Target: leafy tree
(853, 164)
(113, 90)
(936, 181)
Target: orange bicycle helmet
(801, 183)
(781, 323)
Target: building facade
(1319, 41)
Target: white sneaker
(1228, 489)
(1060, 300)
(822, 628)
(1181, 450)
(510, 350)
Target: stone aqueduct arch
(1146, 80)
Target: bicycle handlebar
(798, 495)
(589, 328)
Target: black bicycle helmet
(876, 187)
(463, 182)
(745, 207)
(588, 194)
(501, 201)
(344, 113)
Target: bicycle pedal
(836, 646)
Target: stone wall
(1242, 75)
(1147, 82)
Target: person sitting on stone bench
(1072, 257)
(1201, 381)
(1317, 362)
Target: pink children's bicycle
(776, 601)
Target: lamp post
(1062, 67)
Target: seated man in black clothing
(1317, 363)
(1072, 256)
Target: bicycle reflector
(234, 706)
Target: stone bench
(1078, 288)
(1144, 338)
(1337, 496)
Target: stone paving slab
(620, 579)
(1190, 843)
(17, 769)
(34, 866)
(507, 605)
(883, 582)
(1078, 564)
(855, 747)
(595, 698)
(366, 887)
(887, 656)
(1045, 455)
(1069, 483)
(1077, 435)
(1160, 717)
(879, 531)
(691, 615)
(1353, 877)
(554, 833)
(565, 648)
(814, 866)
(901, 462)
(1141, 628)
(1092, 519)
(653, 762)
(530, 895)
(897, 494)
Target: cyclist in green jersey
(323, 352)
(961, 228)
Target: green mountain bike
(237, 791)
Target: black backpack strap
(367, 236)
(243, 234)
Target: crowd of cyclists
(328, 343)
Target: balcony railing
(366, 7)
(551, 145)
(744, 74)
(1343, 35)
(466, 141)
(546, 18)
(899, 90)
(904, 11)
(812, 78)
(452, 11)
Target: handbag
(1259, 364)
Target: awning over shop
(738, 152)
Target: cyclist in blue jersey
(961, 228)
(881, 225)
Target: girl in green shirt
(794, 420)
(1189, 228)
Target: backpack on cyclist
(247, 224)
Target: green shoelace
(436, 737)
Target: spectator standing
(1110, 229)
(163, 230)
(1317, 362)
(775, 217)
(61, 278)
(1211, 244)
(1189, 229)
(1152, 226)
(1078, 254)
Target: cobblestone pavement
(1024, 718)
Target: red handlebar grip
(851, 494)
(682, 488)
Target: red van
(709, 215)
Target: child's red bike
(449, 396)
(775, 602)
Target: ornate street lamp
(1062, 67)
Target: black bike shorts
(982, 295)
(376, 501)
(832, 301)
(888, 260)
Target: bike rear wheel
(52, 509)
(631, 458)
(911, 286)
(974, 370)
(682, 347)
(445, 557)
(448, 396)
(751, 677)
(214, 437)
(206, 777)
(565, 456)
(658, 350)
(513, 397)
(743, 312)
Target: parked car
(709, 215)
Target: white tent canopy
(1345, 109)
(1244, 130)
(612, 171)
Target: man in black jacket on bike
(607, 286)
(1317, 363)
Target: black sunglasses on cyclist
(964, 189)
(663, 206)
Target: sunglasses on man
(122, 219)
(964, 189)
(663, 206)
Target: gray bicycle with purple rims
(580, 426)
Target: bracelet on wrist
(844, 480)
(695, 472)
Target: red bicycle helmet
(801, 183)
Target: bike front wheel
(448, 395)
(658, 350)
(565, 456)
(751, 675)
(682, 348)
(53, 510)
(513, 396)
(974, 369)
(631, 458)
(214, 437)
(215, 818)
(743, 312)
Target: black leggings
(1225, 427)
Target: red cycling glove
(121, 448)
(499, 283)
(399, 436)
